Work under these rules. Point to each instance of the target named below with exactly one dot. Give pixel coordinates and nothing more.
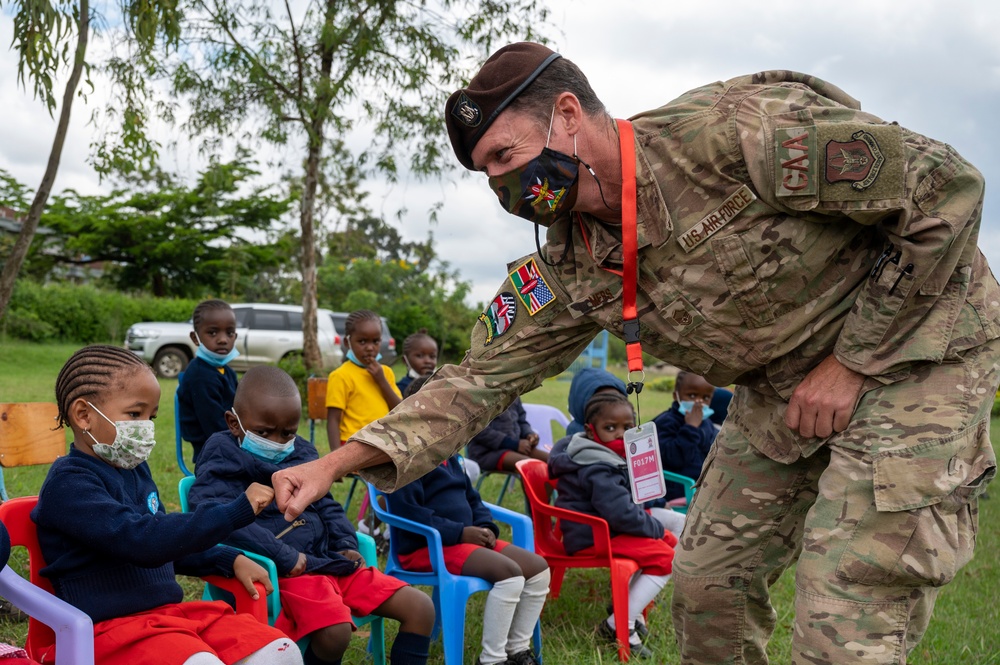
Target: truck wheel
(170, 361)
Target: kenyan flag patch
(499, 316)
(531, 287)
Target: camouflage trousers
(876, 521)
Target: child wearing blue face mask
(322, 577)
(208, 386)
(362, 389)
(685, 430)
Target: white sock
(529, 608)
(501, 602)
(671, 520)
(203, 658)
(279, 652)
(641, 592)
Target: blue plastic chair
(451, 592)
(366, 547)
(687, 483)
(177, 430)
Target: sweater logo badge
(857, 162)
(499, 316)
(795, 154)
(153, 502)
(531, 287)
(715, 220)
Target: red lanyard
(630, 250)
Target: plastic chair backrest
(541, 417)
(316, 397)
(177, 430)
(28, 434)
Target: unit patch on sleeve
(718, 218)
(862, 162)
(531, 288)
(795, 156)
(499, 316)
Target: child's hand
(524, 447)
(248, 572)
(260, 497)
(694, 417)
(533, 439)
(300, 566)
(477, 535)
(354, 556)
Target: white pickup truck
(266, 334)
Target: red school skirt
(311, 602)
(454, 557)
(170, 634)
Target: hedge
(83, 314)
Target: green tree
(353, 86)
(409, 297)
(50, 37)
(176, 240)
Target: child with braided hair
(112, 550)
(362, 389)
(593, 479)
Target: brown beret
(470, 111)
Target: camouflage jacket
(777, 224)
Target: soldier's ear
(568, 113)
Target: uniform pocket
(738, 272)
(921, 528)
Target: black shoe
(525, 657)
(8, 612)
(607, 633)
(640, 628)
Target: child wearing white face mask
(208, 386)
(322, 577)
(112, 550)
(362, 389)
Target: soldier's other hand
(825, 400)
(260, 497)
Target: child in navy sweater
(507, 440)
(446, 500)
(322, 577)
(208, 386)
(593, 479)
(111, 549)
(685, 430)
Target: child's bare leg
(329, 644)
(412, 608)
(501, 601)
(540, 454)
(510, 460)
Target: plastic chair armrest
(520, 525)
(685, 481)
(245, 604)
(73, 629)
(366, 547)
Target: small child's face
(134, 395)
(694, 389)
(611, 422)
(366, 340)
(423, 355)
(217, 330)
(274, 418)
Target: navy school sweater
(502, 434)
(444, 499)
(683, 448)
(111, 548)
(204, 395)
(224, 471)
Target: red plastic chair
(16, 517)
(548, 544)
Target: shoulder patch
(861, 162)
(715, 220)
(796, 157)
(499, 316)
(531, 287)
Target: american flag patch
(531, 288)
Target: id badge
(645, 470)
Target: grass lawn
(964, 628)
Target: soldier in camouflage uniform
(819, 258)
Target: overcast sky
(934, 67)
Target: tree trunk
(310, 342)
(13, 264)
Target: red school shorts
(454, 557)
(311, 602)
(170, 634)
(655, 557)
